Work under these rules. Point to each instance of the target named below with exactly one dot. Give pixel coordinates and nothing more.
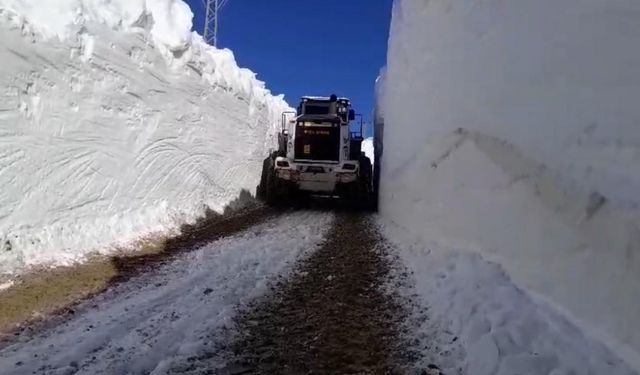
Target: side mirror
(352, 115)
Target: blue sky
(308, 47)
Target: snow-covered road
(158, 318)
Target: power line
(212, 8)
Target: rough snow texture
(163, 319)
(480, 323)
(543, 177)
(116, 123)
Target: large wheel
(272, 191)
(276, 191)
(366, 172)
(365, 184)
(261, 190)
(267, 177)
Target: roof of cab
(323, 98)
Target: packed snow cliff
(117, 123)
(512, 130)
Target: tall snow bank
(116, 123)
(511, 129)
(169, 20)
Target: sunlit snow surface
(480, 323)
(117, 123)
(511, 131)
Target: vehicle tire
(365, 182)
(261, 190)
(271, 186)
(276, 190)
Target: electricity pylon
(211, 20)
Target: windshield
(316, 109)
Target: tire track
(332, 316)
(162, 311)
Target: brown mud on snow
(47, 297)
(332, 316)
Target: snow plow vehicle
(318, 155)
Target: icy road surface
(145, 325)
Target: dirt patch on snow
(46, 291)
(47, 296)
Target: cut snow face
(154, 321)
(117, 123)
(511, 130)
(559, 80)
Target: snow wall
(513, 129)
(117, 123)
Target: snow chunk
(367, 148)
(172, 21)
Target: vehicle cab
(318, 155)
